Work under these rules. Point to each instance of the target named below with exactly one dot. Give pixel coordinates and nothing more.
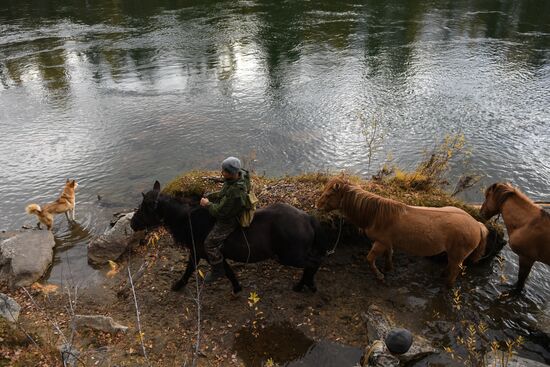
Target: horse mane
(503, 191)
(367, 209)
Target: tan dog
(65, 204)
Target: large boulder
(113, 243)
(9, 309)
(25, 256)
(98, 322)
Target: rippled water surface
(119, 93)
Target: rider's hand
(204, 202)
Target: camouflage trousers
(214, 241)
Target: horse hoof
(176, 287)
(312, 288)
(234, 295)
(237, 290)
(298, 287)
(380, 276)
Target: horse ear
(67, 181)
(336, 186)
(156, 186)
(143, 194)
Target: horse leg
(388, 266)
(453, 269)
(307, 279)
(525, 265)
(187, 274)
(376, 250)
(232, 277)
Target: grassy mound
(302, 191)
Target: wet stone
(9, 308)
(25, 256)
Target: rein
(247, 245)
(192, 238)
(330, 252)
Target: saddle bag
(250, 207)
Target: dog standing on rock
(65, 204)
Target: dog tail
(33, 209)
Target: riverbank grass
(303, 190)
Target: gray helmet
(399, 340)
(231, 165)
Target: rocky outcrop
(9, 309)
(113, 243)
(25, 256)
(98, 322)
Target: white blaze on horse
(420, 231)
(527, 224)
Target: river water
(117, 94)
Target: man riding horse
(230, 203)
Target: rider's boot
(216, 273)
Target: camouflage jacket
(231, 199)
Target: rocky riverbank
(231, 330)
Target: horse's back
(278, 231)
(426, 231)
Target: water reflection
(117, 94)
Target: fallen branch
(123, 292)
(137, 315)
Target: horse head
(147, 215)
(333, 193)
(495, 195)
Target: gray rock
(544, 321)
(69, 355)
(98, 322)
(420, 348)
(25, 256)
(113, 243)
(9, 309)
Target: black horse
(279, 231)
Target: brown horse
(527, 224)
(420, 231)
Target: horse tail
(479, 252)
(320, 241)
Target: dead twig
(137, 316)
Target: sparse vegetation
(475, 347)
